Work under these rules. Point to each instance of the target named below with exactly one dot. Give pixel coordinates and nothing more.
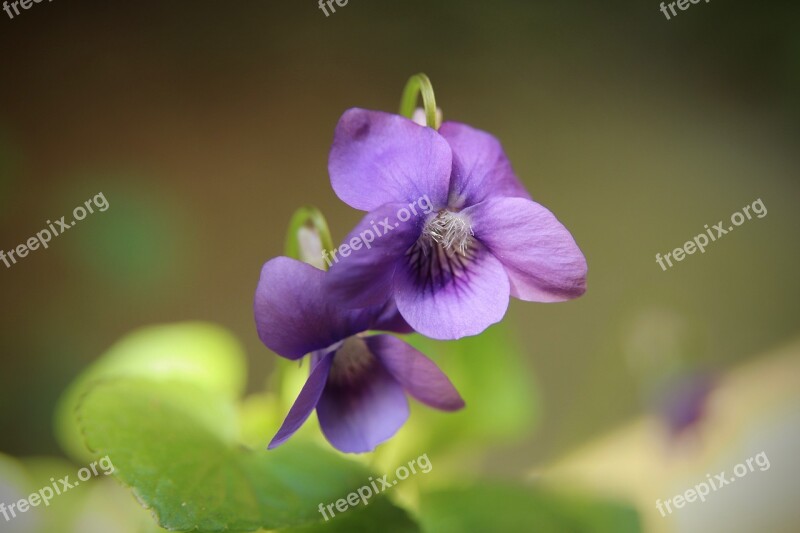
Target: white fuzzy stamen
(451, 231)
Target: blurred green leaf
(110, 507)
(378, 515)
(194, 475)
(488, 509)
(259, 415)
(200, 353)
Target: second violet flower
(357, 383)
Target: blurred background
(205, 125)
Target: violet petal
(542, 260)
(390, 319)
(377, 158)
(294, 315)
(481, 169)
(306, 402)
(360, 408)
(365, 276)
(450, 299)
(418, 375)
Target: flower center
(351, 361)
(443, 251)
(451, 231)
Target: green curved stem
(416, 85)
(310, 217)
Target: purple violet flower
(684, 402)
(357, 384)
(450, 270)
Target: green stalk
(309, 217)
(416, 85)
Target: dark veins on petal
(443, 253)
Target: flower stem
(419, 84)
(310, 218)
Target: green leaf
(259, 416)
(169, 441)
(200, 353)
(507, 508)
(378, 515)
(99, 504)
(109, 507)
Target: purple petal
(306, 401)
(481, 169)
(418, 375)
(362, 405)
(542, 260)
(365, 276)
(390, 319)
(449, 297)
(685, 401)
(378, 158)
(295, 316)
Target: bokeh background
(206, 125)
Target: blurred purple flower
(357, 384)
(450, 271)
(684, 403)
